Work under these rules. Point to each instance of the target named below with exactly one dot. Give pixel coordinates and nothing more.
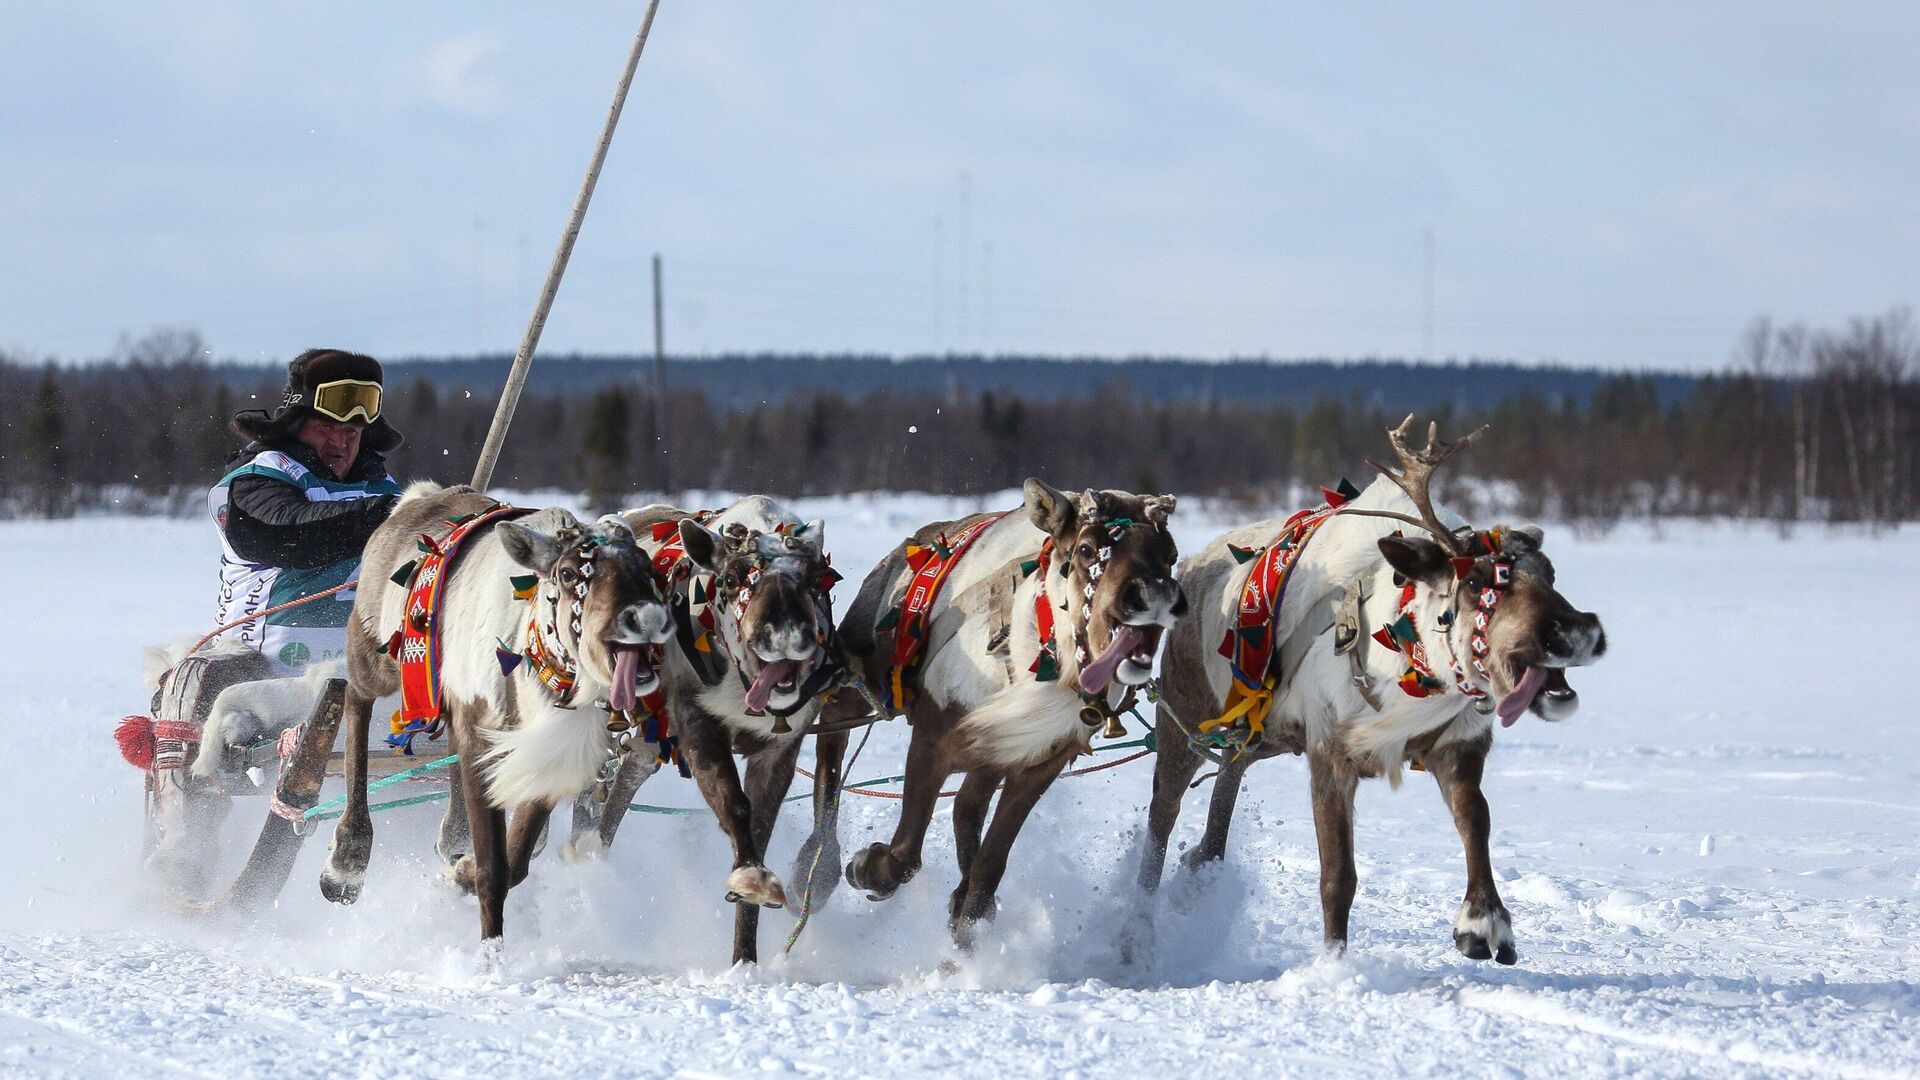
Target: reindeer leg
(882, 868)
(710, 755)
(769, 775)
(816, 869)
(969, 820)
(485, 871)
(1334, 784)
(524, 835)
(1482, 929)
(1226, 792)
(1023, 790)
(455, 838)
(352, 847)
(1174, 764)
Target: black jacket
(273, 522)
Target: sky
(1619, 184)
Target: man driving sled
(294, 511)
(299, 504)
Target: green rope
(411, 800)
(325, 810)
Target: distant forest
(1802, 424)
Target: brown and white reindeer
(544, 624)
(1385, 650)
(1041, 623)
(750, 587)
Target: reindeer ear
(704, 546)
(531, 548)
(1159, 509)
(1049, 508)
(1418, 558)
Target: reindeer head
(1111, 577)
(598, 602)
(1487, 599)
(772, 609)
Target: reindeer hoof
(755, 884)
(583, 847)
(878, 871)
(1487, 936)
(341, 886)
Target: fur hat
(305, 372)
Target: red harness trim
(1046, 663)
(1248, 645)
(930, 573)
(417, 645)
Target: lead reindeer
(545, 624)
(1369, 651)
(1045, 621)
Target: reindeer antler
(1416, 478)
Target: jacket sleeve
(272, 522)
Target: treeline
(1803, 424)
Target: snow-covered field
(1713, 870)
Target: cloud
(461, 73)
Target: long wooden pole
(522, 360)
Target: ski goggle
(346, 399)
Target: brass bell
(1091, 715)
(1115, 729)
(780, 725)
(617, 722)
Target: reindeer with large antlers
(1334, 635)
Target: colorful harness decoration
(671, 563)
(931, 563)
(1046, 665)
(417, 643)
(1403, 637)
(1248, 644)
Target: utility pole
(1426, 306)
(661, 446)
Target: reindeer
(526, 686)
(995, 696)
(747, 678)
(1387, 650)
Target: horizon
(275, 365)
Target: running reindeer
(1387, 650)
(548, 626)
(750, 591)
(1007, 661)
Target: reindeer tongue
(1521, 696)
(626, 673)
(762, 687)
(1096, 675)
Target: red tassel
(135, 736)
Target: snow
(1713, 870)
